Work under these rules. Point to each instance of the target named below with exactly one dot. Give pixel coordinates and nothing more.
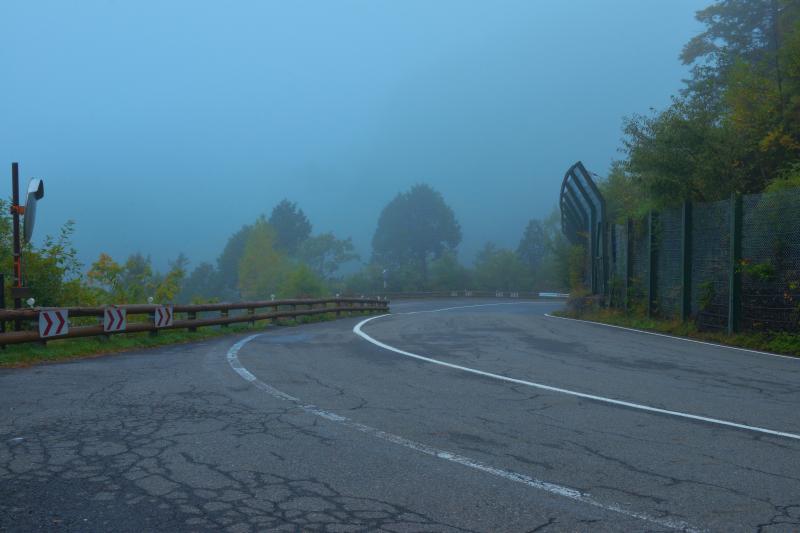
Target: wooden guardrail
(47, 321)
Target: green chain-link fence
(770, 264)
(710, 264)
(667, 242)
(727, 265)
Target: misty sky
(163, 126)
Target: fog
(162, 127)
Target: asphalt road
(481, 418)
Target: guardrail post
(251, 311)
(152, 317)
(224, 314)
(686, 261)
(651, 261)
(735, 274)
(192, 315)
(105, 337)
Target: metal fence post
(734, 273)
(686, 261)
(651, 262)
(628, 262)
(607, 228)
(192, 315)
(2, 304)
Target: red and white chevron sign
(163, 316)
(53, 323)
(114, 319)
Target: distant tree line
(414, 248)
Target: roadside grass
(22, 355)
(774, 342)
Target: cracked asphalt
(172, 439)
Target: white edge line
(677, 338)
(532, 302)
(358, 331)
(552, 488)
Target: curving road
(450, 415)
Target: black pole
(17, 252)
(15, 219)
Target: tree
(325, 254)
(500, 269)
(201, 285)
(291, 226)
(106, 274)
(532, 247)
(302, 282)
(170, 285)
(415, 227)
(228, 261)
(683, 153)
(737, 125)
(263, 269)
(137, 278)
(737, 30)
(448, 274)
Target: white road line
(470, 306)
(358, 331)
(552, 488)
(715, 345)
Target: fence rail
(271, 310)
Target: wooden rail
(255, 311)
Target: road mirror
(35, 193)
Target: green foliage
(774, 342)
(623, 194)
(681, 154)
(533, 246)
(201, 285)
(763, 271)
(138, 280)
(735, 128)
(366, 281)
(500, 269)
(707, 292)
(325, 254)
(447, 274)
(134, 281)
(228, 262)
(262, 269)
(291, 226)
(169, 286)
(52, 270)
(106, 275)
(414, 228)
(576, 267)
(788, 179)
(302, 282)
